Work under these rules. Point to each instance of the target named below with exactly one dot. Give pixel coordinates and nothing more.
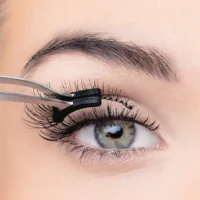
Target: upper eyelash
(40, 116)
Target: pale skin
(33, 168)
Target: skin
(32, 168)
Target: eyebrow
(148, 60)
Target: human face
(34, 168)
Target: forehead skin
(172, 26)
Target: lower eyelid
(112, 162)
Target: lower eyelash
(84, 153)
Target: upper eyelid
(79, 85)
(108, 92)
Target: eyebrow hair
(148, 60)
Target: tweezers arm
(14, 97)
(26, 83)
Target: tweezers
(65, 104)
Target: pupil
(114, 132)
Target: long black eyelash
(41, 116)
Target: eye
(116, 134)
(111, 132)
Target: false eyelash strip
(59, 115)
(108, 93)
(113, 95)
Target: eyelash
(40, 116)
